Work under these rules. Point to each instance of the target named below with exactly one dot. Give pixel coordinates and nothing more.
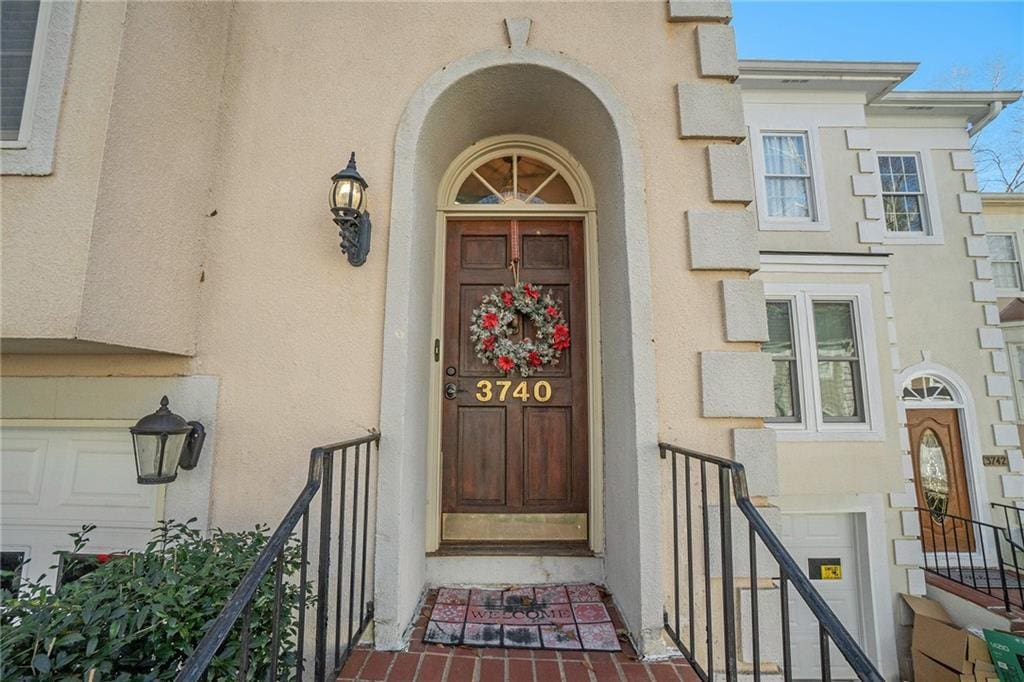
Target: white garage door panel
(55, 480)
(53, 476)
(824, 536)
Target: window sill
(894, 238)
(789, 434)
(783, 226)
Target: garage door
(53, 480)
(824, 540)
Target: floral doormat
(538, 617)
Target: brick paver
(435, 663)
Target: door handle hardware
(451, 390)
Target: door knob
(450, 391)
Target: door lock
(450, 391)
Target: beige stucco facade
(182, 244)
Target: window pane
(788, 197)
(934, 474)
(785, 155)
(785, 391)
(555, 192)
(839, 390)
(1000, 246)
(833, 326)
(474, 192)
(17, 34)
(780, 330)
(1006, 275)
(899, 174)
(903, 213)
(498, 174)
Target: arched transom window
(515, 178)
(927, 388)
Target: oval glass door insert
(934, 474)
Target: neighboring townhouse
(165, 233)
(892, 379)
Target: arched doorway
(527, 92)
(941, 434)
(523, 201)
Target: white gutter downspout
(993, 110)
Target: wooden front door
(514, 450)
(941, 481)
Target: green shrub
(137, 616)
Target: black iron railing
(708, 522)
(350, 545)
(975, 554)
(1013, 517)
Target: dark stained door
(513, 447)
(941, 480)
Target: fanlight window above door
(934, 474)
(515, 178)
(927, 387)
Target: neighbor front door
(941, 481)
(514, 449)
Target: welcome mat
(541, 617)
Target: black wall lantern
(348, 204)
(164, 441)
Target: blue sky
(939, 35)
(954, 42)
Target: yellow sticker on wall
(833, 572)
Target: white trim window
(22, 32)
(789, 187)
(903, 198)
(821, 340)
(1005, 257)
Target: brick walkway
(435, 663)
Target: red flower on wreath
(552, 311)
(102, 558)
(489, 342)
(534, 359)
(530, 291)
(506, 298)
(560, 337)
(505, 363)
(490, 320)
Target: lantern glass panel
(348, 194)
(148, 449)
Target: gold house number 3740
(489, 390)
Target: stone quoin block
(746, 318)
(736, 384)
(1015, 460)
(873, 209)
(915, 582)
(984, 291)
(858, 138)
(970, 202)
(699, 10)
(911, 521)
(1013, 485)
(866, 162)
(908, 552)
(1007, 410)
(991, 314)
(769, 617)
(870, 231)
(907, 498)
(731, 173)
(962, 160)
(1000, 362)
(766, 565)
(710, 110)
(998, 386)
(865, 185)
(977, 247)
(990, 337)
(723, 240)
(756, 450)
(970, 182)
(983, 269)
(1006, 435)
(716, 51)
(977, 225)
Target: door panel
(512, 449)
(940, 480)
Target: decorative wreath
(493, 322)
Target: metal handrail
(830, 626)
(240, 602)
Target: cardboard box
(1007, 654)
(937, 641)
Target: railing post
(1002, 570)
(323, 569)
(728, 596)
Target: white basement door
(56, 479)
(820, 543)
